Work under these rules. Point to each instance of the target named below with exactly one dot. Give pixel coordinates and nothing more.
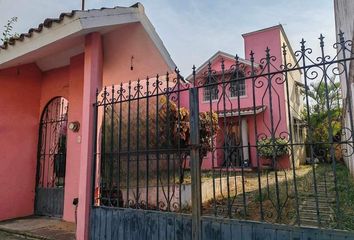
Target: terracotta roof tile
(242, 111)
(47, 23)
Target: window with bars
(210, 92)
(238, 88)
(237, 85)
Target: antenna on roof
(82, 5)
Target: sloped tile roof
(241, 111)
(47, 23)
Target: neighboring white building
(344, 18)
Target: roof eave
(81, 23)
(212, 58)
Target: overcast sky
(193, 30)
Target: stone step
(320, 199)
(314, 217)
(17, 234)
(319, 194)
(324, 189)
(328, 183)
(313, 207)
(329, 187)
(314, 220)
(321, 211)
(310, 223)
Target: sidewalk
(37, 228)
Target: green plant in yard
(170, 113)
(346, 197)
(324, 102)
(269, 148)
(163, 128)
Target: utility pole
(82, 5)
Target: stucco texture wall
(67, 82)
(19, 109)
(123, 43)
(24, 93)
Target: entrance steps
(44, 228)
(324, 200)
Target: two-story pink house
(248, 109)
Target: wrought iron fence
(274, 135)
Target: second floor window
(210, 92)
(237, 86)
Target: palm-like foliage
(324, 115)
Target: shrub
(267, 149)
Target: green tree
(325, 112)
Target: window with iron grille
(237, 85)
(238, 88)
(210, 92)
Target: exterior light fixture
(131, 63)
(74, 126)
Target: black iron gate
(50, 181)
(161, 165)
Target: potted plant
(268, 149)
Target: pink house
(49, 78)
(246, 109)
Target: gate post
(195, 163)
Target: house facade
(49, 78)
(248, 110)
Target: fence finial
(252, 56)
(321, 40)
(303, 45)
(284, 48)
(341, 36)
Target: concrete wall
(19, 109)
(344, 18)
(295, 101)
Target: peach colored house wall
(19, 108)
(76, 76)
(117, 56)
(67, 82)
(54, 83)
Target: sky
(193, 30)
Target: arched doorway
(51, 159)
